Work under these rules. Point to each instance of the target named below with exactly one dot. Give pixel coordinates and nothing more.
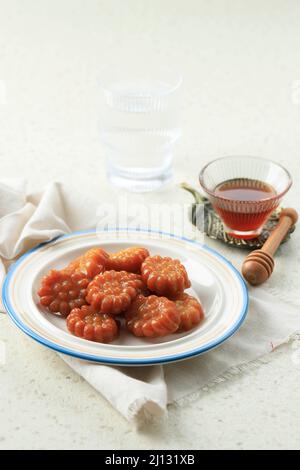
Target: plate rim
(125, 362)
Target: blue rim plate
(215, 281)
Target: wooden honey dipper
(259, 264)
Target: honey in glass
(243, 206)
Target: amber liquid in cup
(242, 192)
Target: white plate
(215, 282)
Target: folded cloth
(138, 392)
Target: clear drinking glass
(252, 189)
(139, 126)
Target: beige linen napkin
(138, 392)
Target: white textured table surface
(241, 64)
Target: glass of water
(139, 125)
